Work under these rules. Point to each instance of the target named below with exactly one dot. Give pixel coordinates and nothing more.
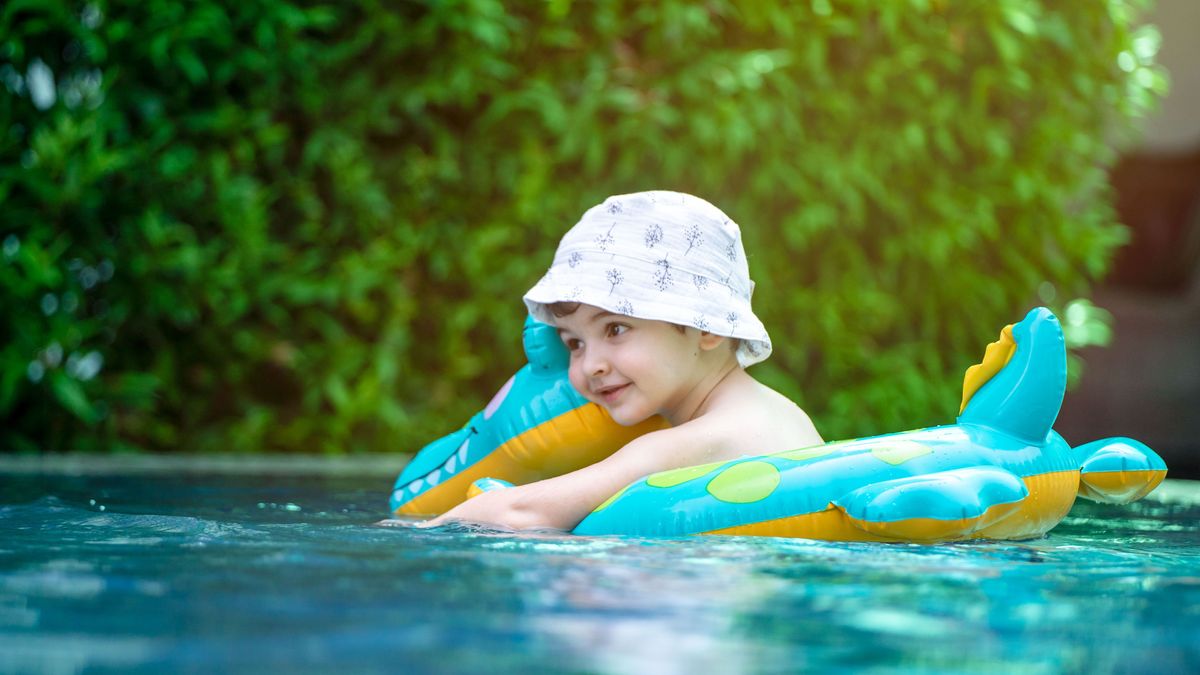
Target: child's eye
(615, 329)
(572, 344)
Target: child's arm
(561, 502)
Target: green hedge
(272, 225)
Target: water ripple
(196, 575)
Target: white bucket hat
(665, 256)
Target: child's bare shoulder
(761, 420)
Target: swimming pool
(219, 572)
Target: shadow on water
(245, 573)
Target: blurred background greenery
(278, 225)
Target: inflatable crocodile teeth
(1000, 472)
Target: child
(650, 293)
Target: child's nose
(594, 363)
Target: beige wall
(1175, 127)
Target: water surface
(241, 573)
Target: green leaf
(70, 395)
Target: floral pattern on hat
(664, 256)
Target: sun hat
(660, 255)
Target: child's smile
(611, 393)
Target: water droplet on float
(35, 371)
(290, 507)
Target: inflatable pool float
(1000, 472)
(537, 426)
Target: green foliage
(275, 225)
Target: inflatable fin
(938, 506)
(1022, 399)
(995, 357)
(1118, 470)
(545, 350)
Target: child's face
(634, 368)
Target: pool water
(237, 573)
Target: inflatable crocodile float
(1000, 472)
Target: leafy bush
(274, 225)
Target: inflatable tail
(1118, 470)
(1019, 386)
